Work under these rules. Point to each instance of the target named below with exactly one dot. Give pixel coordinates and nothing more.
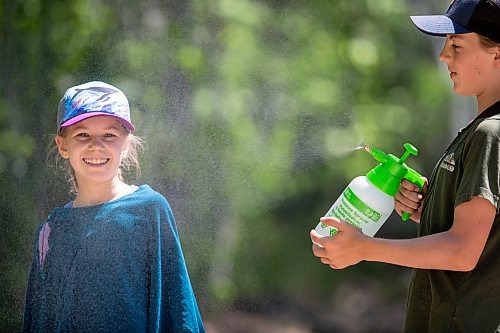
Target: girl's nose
(96, 143)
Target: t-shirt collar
(489, 112)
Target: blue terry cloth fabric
(114, 267)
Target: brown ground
(352, 309)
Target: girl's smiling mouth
(95, 161)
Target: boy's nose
(445, 55)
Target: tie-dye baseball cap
(92, 99)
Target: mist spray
(368, 201)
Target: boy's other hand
(344, 249)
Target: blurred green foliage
(251, 111)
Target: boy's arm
(457, 249)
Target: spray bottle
(368, 201)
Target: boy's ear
(497, 54)
(61, 146)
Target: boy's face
(94, 147)
(471, 66)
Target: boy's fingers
(340, 225)
(413, 203)
(412, 195)
(409, 186)
(318, 250)
(426, 185)
(332, 222)
(318, 240)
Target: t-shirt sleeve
(481, 160)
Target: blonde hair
(129, 163)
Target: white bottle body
(362, 205)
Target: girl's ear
(61, 146)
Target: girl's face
(470, 64)
(94, 147)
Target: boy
(455, 286)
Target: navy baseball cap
(464, 16)
(92, 99)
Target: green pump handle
(411, 175)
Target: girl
(455, 286)
(111, 259)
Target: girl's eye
(109, 135)
(82, 135)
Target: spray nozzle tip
(377, 154)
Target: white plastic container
(368, 201)
(361, 204)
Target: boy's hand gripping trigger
(417, 179)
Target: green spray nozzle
(377, 154)
(388, 175)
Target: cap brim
(438, 25)
(84, 116)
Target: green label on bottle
(361, 206)
(350, 208)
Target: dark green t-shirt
(450, 301)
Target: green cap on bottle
(388, 174)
